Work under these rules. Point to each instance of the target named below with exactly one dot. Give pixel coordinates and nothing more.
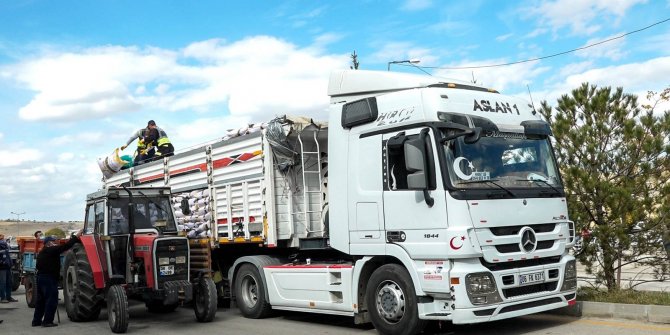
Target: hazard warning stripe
(217, 164)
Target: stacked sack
(250, 129)
(193, 213)
(111, 164)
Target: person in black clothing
(48, 272)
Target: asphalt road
(17, 317)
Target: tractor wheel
(157, 306)
(16, 281)
(250, 293)
(82, 300)
(31, 290)
(117, 309)
(392, 301)
(205, 300)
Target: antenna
(531, 99)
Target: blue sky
(77, 78)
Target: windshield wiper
(492, 181)
(151, 201)
(544, 182)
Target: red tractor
(130, 250)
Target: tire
(205, 300)
(83, 301)
(117, 309)
(250, 293)
(31, 290)
(392, 302)
(16, 281)
(160, 308)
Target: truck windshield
(502, 160)
(149, 212)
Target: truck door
(408, 219)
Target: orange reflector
(312, 304)
(455, 281)
(451, 85)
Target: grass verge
(624, 296)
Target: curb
(644, 313)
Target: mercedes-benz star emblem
(528, 239)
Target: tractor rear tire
(30, 285)
(83, 301)
(205, 300)
(117, 309)
(250, 293)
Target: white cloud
(502, 38)
(398, 51)
(16, 157)
(583, 17)
(499, 78)
(253, 75)
(65, 157)
(415, 5)
(636, 78)
(1, 136)
(611, 50)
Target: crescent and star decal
(459, 172)
(453, 246)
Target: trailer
(420, 199)
(28, 249)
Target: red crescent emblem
(451, 243)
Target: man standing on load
(148, 139)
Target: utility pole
(18, 218)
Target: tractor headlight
(163, 260)
(181, 259)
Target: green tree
(614, 158)
(55, 232)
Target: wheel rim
(249, 291)
(390, 301)
(71, 283)
(200, 298)
(112, 313)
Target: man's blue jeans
(47, 299)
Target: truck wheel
(82, 300)
(31, 291)
(250, 293)
(16, 281)
(159, 307)
(392, 302)
(117, 309)
(205, 300)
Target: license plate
(530, 278)
(167, 270)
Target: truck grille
(520, 264)
(514, 230)
(514, 247)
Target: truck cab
(459, 185)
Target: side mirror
(419, 175)
(415, 162)
(474, 136)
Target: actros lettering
(499, 107)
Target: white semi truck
(421, 199)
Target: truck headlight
(480, 283)
(571, 269)
(481, 288)
(570, 277)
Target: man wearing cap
(147, 139)
(48, 272)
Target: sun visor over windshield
(468, 121)
(536, 127)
